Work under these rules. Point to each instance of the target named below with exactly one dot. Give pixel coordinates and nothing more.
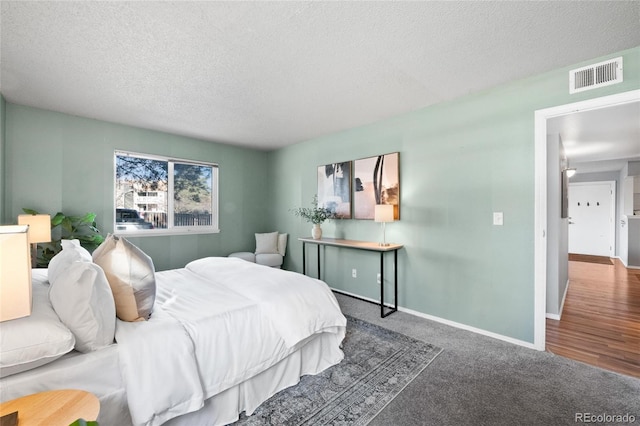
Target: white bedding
(297, 305)
(222, 320)
(224, 336)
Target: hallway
(600, 322)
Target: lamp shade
(15, 272)
(383, 213)
(39, 227)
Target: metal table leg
(304, 262)
(395, 285)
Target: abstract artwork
(376, 180)
(334, 188)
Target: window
(156, 195)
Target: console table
(360, 245)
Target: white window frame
(171, 229)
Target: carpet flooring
(479, 380)
(378, 364)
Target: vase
(316, 231)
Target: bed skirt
(318, 354)
(76, 370)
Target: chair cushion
(244, 255)
(269, 259)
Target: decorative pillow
(82, 298)
(267, 243)
(29, 342)
(131, 276)
(282, 244)
(71, 252)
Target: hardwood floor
(600, 322)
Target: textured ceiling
(269, 74)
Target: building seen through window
(153, 193)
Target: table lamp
(39, 231)
(15, 272)
(383, 213)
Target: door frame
(540, 204)
(612, 212)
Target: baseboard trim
(564, 296)
(621, 261)
(558, 316)
(625, 264)
(446, 322)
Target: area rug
(378, 365)
(590, 259)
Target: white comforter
(216, 323)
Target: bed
(224, 336)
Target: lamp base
(384, 244)
(34, 255)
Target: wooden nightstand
(53, 408)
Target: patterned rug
(378, 365)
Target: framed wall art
(376, 180)
(334, 188)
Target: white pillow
(82, 298)
(71, 252)
(38, 339)
(267, 243)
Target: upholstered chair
(270, 250)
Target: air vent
(596, 75)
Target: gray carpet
(478, 380)
(378, 364)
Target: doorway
(541, 182)
(592, 218)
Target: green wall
(58, 162)
(460, 161)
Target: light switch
(497, 218)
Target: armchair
(270, 250)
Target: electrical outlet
(378, 278)
(354, 273)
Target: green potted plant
(315, 215)
(63, 227)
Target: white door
(591, 218)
